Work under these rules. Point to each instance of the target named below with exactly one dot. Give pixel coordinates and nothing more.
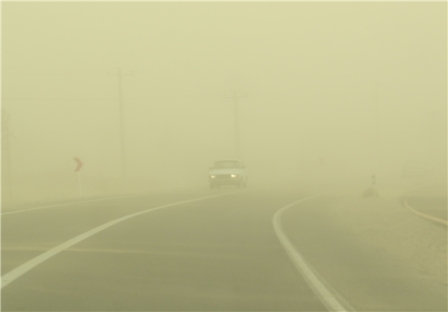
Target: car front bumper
(225, 179)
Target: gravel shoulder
(375, 252)
(386, 224)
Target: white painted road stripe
(325, 293)
(22, 269)
(424, 215)
(67, 204)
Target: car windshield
(227, 164)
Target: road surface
(221, 250)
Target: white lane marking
(424, 215)
(67, 204)
(327, 295)
(22, 269)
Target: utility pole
(6, 154)
(377, 120)
(377, 137)
(235, 98)
(119, 75)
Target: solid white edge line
(68, 204)
(27, 266)
(316, 282)
(424, 215)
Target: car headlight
(234, 175)
(212, 176)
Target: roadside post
(77, 170)
(373, 180)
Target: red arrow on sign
(79, 164)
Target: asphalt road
(217, 254)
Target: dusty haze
(326, 93)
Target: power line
(18, 73)
(106, 99)
(56, 99)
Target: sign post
(79, 185)
(77, 169)
(374, 194)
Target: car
(228, 172)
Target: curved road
(218, 253)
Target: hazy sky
(346, 82)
